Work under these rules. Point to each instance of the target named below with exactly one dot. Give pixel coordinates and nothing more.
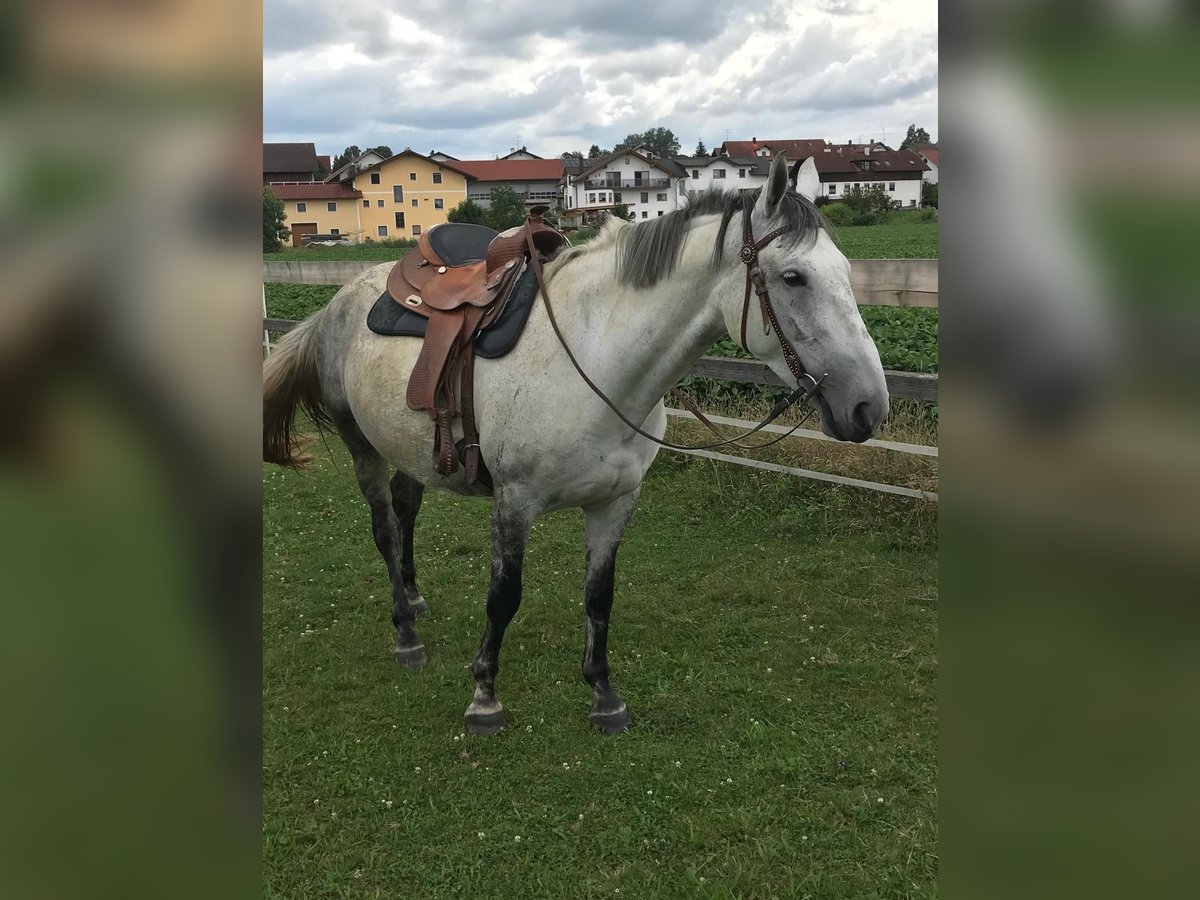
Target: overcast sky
(475, 79)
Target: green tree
(350, 153)
(929, 194)
(507, 209)
(383, 150)
(621, 211)
(916, 137)
(274, 231)
(701, 150)
(633, 139)
(595, 152)
(661, 140)
(467, 211)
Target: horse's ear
(805, 180)
(776, 187)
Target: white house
(930, 155)
(726, 172)
(649, 185)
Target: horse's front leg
(511, 523)
(605, 525)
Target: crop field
(775, 640)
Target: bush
(929, 194)
(583, 235)
(838, 214)
(274, 231)
(468, 211)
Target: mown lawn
(775, 640)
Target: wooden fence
(876, 282)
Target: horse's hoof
(411, 657)
(419, 607)
(485, 724)
(613, 722)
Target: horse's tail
(291, 381)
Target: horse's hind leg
(407, 494)
(372, 473)
(510, 533)
(605, 524)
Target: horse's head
(808, 283)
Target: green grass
(895, 240)
(775, 641)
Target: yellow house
(316, 208)
(405, 194)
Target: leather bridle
(748, 254)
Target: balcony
(635, 184)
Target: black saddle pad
(391, 318)
(459, 243)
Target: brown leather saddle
(459, 277)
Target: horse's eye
(792, 278)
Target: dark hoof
(412, 657)
(419, 607)
(485, 724)
(614, 722)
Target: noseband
(754, 277)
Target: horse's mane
(648, 251)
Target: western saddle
(459, 277)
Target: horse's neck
(637, 343)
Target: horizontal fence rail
(876, 282)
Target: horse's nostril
(865, 417)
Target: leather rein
(748, 254)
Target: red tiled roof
(930, 153)
(317, 190)
(795, 149)
(512, 169)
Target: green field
(775, 641)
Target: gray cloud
(473, 79)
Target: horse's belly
(376, 380)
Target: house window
(414, 201)
(437, 203)
(374, 178)
(399, 221)
(416, 230)
(645, 197)
(741, 173)
(381, 231)
(617, 198)
(412, 176)
(591, 198)
(660, 212)
(695, 173)
(627, 160)
(864, 165)
(397, 193)
(912, 202)
(437, 177)
(301, 207)
(335, 231)
(660, 196)
(379, 204)
(891, 185)
(832, 189)
(367, 203)
(718, 173)
(644, 214)
(331, 206)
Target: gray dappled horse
(637, 306)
